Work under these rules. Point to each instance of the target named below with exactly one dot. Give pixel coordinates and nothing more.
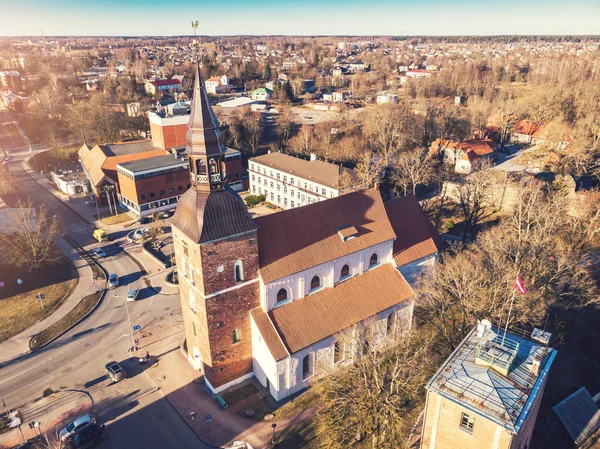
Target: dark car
(88, 436)
(145, 220)
(114, 370)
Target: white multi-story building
(289, 182)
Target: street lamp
(129, 321)
(273, 434)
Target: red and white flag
(519, 285)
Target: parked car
(133, 294)
(114, 370)
(99, 252)
(88, 436)
(74, 427)
(166, 214)
(145, 220)
(113, 281)
(137, 235)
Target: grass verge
(116, 219)
(85, 306)
(23, 310)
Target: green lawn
(21, 311)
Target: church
(286, 297)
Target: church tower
(216, 252)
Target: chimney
(313, 156)
(534, 368)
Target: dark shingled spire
(210, 210)
(203, 137)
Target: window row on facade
(282, 186)
(364, 345)
(316, 282)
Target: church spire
(204, 142)
(203, 136)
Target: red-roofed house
(464, 155)
(523, 130)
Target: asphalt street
(134, 411)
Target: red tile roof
(308, 320)
(301, 238)
(416, 236)
(527, 127)
(269, 334)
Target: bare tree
(412, 169)
(254, 129)
(369, 169)
(377, 398)
(6, 182)
(474, 199)
(303, 142)
(287, 123)
(30, 245)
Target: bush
(448, 226)
(253, 200)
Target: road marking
(124, 335)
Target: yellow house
(488, 392)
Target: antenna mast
(195, 43)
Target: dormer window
(347, 232)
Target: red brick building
(169, 128)
(100, 164)
(152, 185)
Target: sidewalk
(51, 411)
(18, 345)
(184, 388)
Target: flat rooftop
(154, 163)
(504, 399)
(119, 149)
(236, 102)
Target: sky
(304, 17)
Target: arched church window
(239, 271)
(315, 282)
(345, 271)
(282, 295)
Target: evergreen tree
(267, 72)
(289, 93)
(316, 60)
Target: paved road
(136, 413)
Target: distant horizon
(404, 36)
(397, 18)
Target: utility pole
(129, 321)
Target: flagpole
(512, 300)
